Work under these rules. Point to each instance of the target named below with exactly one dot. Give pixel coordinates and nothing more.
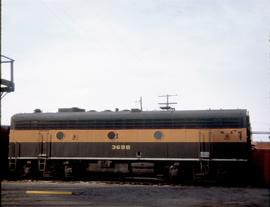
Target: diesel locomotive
(177, 144)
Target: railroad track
(131, 192)
(134, 180)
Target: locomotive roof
(108, 115)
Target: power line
(167, 103)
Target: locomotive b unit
(173, 143)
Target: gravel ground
(104, 194)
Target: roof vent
(73, 109)
(37, 111)
(136, 110)
(107, 110)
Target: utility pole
(269, 77)
(167, 104)
(7, 86)
(141, 103)
(1, 100)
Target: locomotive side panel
(174, 143)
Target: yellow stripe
(48, 192)
(132, 135)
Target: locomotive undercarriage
(186, 171)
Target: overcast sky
(98, 55)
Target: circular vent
(59, 135)
(111, 135)
(158, 135)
